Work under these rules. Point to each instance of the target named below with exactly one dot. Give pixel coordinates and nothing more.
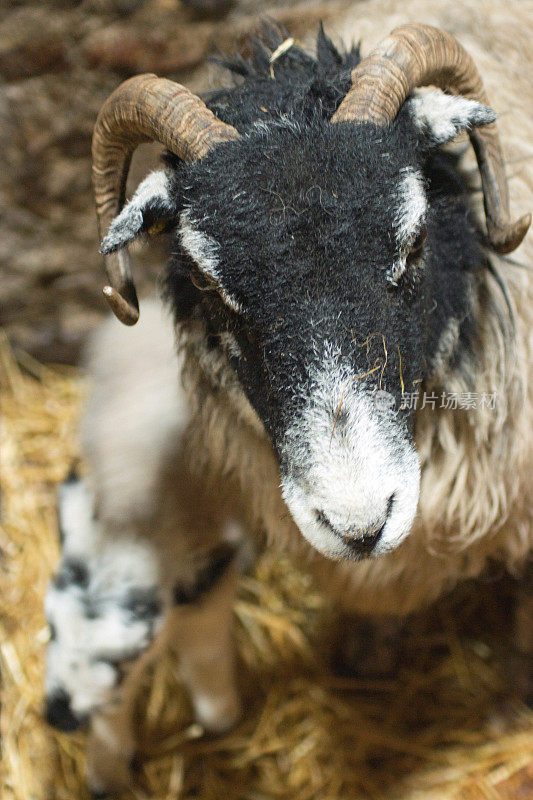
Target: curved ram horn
(420, 55)
(143, 109)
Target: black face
(305, 239)
(333, 266)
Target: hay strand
(446, 727)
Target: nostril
(390, 504)
(59, 712)
(323, 520)
(364, 545)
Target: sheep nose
(363, 545)
(59, 712)
(361, 541)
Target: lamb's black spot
(53, 631)
(206, 577)
(72, 572)
(59, 712)
(143, 604)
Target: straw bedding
(447, 725)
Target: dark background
(59, 61)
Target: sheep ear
(74, 509)
(151, 210)
(441, 117)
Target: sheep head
(327, 265)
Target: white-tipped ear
(75, 511)
(443, 116)
(148, 211)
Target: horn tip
(506, 238)
(121, 308)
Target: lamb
(149, 559)
(329, 274)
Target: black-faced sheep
(328, 268)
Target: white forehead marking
(204, 250)
(412, 204)
(410, 212)
(201, 247)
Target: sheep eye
(251, 336)
(418, 243)
(202, 282)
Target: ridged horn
(421, 55)
(143, 109)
